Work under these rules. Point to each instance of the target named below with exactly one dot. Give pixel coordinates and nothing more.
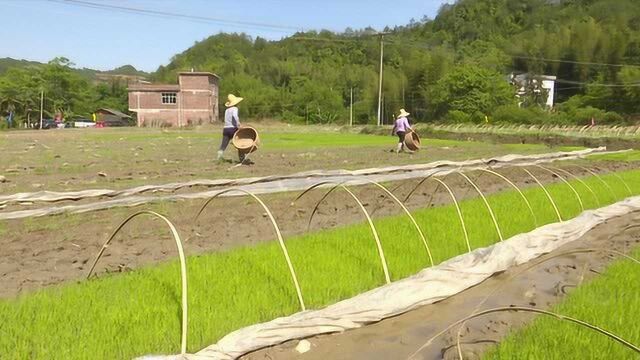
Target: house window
(169, 98)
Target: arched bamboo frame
(553, 203)
(514, 186)
(183, 267)
(383, 259)
(531, 266)
(453, 198)
(422, 181)
(593, 193)
(532, 310)
(593, 173)
(575, 192)
(455, 202)
(387, 192)
(283, 247)
(486, 203)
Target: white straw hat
(232, 100)
(403, 113)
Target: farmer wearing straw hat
(400, 128)
(231, 125)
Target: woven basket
(246, 140)
(412, 141)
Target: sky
(40, 30)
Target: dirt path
(45, 251)
(540, 287)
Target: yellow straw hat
(403, 113)
(232, 100)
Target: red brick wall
(148, 100)
(161, 118)
(197, 103)
(191, 82)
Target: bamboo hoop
(513, 185)
(387, 192)
(183, 267)
(580, 181)
(593, 173)
(553, 203)
(283, 247)
(531, 266)
(566, 183)
(614, 174)
(455, 202)
(453, 197)
(486, 203)
(383, 260)
(538, 311)
(375, 235)
(406, 198)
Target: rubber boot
(220, 153)
(399, 148)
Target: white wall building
(548, 83)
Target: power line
(165, 14)
(571, 82)
(573, 62)
(424, 46)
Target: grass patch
(122, 316)
(609, 301)
(629, 156)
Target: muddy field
(78, 159)
(539, 287)
(44, 251)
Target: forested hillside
(70, 91)
(452, 68)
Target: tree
(471, 89)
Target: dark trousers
(401, 135)
(227, 136)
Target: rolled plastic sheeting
(295, 184)
(427, 287)
(53, 196)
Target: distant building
(194, 100)
(110, 117)
(536, 84)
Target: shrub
(458, 117)
(583, 116)
(512, 114)
(613, 118)
(477, 117)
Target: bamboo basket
(412, 141)
(246, 140)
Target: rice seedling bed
(122, 316)
(610, 301)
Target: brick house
(194, 100)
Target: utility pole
(41, 106)
(351, 110)
(380, 86)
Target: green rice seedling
(136, 313)
(610, 301)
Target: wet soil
(539, 287)
(41, 252)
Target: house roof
(154, 87)
(115, 112)
(197, 73)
